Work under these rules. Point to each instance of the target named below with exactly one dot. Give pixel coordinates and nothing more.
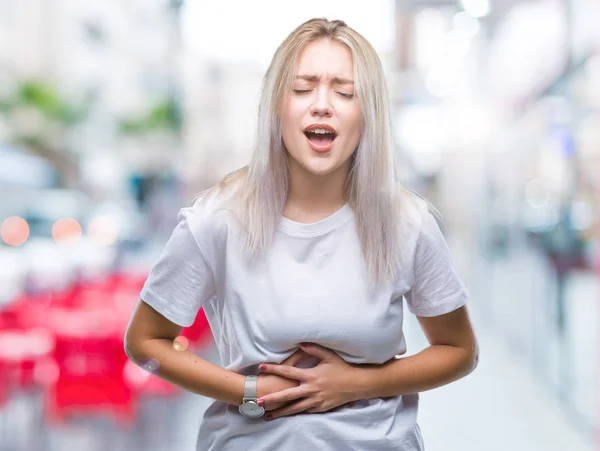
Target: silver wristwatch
(249, 407)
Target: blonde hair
(372, 187)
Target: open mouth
(320, 138)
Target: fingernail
(261, 402)
(262, 367)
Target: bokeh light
(102, 230)
(14, 231)
(66, 229)
(476, 8)
(537, 194)
(180, 343)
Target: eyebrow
(336, 80)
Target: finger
(283, 396)
(319, 351)
(295, 358)
(289, 372)
(290, 409)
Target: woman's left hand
(332, 383)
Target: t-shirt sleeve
(437, 288)
(182, 280)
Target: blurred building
(220, 105)
(498, 109)
(118, 60)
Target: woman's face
(321, 116)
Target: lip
(323, 147)
(329, 128)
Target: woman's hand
(330, 384)
(272, 383)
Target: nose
(321, 106)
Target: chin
(319, 169)
(317, 164)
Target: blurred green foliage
(46, 99)
(58, 114)
(163, 116)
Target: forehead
(326, 58)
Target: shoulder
(416, 214)
(213, 211)
(418, 227)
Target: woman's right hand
(271, 383)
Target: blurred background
(113, 114)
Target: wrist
(359, 384)
(240, 383)
(250, 408)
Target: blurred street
(500, 406)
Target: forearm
(433, 367)
(190, 372)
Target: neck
(311, 192)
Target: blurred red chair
(21, 349)
(4, 392)
(128, 282)
(90, 359)
(24, 311)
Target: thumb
(320, 352)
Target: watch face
(252, 410)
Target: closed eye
(348, 96)
(301, 91)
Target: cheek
(355, 126)
(291, 118)
(286, 124)
(295, 107)
(288, 133)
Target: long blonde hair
(373, 188)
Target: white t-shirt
(311, 288)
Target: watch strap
(250, 387)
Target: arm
(452, 354)
(151, 335)
(437, 288)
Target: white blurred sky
(252, 29)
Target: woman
(301, 261)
